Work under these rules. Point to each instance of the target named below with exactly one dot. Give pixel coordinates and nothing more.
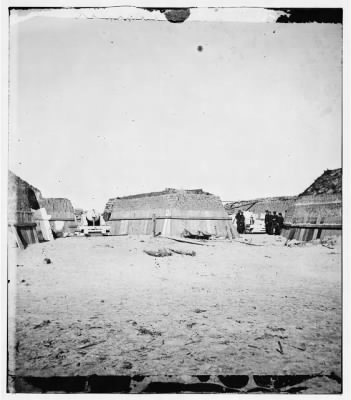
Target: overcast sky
(103, 108)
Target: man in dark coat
(237, 219)
(280, 223)
(270, 223)
(275, 225)
(240, 222)
(266, 221)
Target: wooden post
(229, 234)
(154, 225)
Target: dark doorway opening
(32, 199)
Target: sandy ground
(103, 306)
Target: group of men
(274, 222)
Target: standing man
(242, 222)
(266, 221)
(280, 222)
(270, 223)
(275, 225)
(237, 218)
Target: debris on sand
(301, 347)
(144, 331)
(127, 365)
(198, 310)
(77, 331)
(272, 328)
(60, 354)
(159, 253)
(168, 252)
(91, 344)
(184, 252)
(187, 241)
(270, 336)
(294, 242)
(248, 242)
(199, 235)
(329, 242)
(48, 342)
(280, 350)
(44, 323)
(47, 261)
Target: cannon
(92, 222)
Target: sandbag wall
(22, 198)
(174, 211)
(63, 219)
(314, 217)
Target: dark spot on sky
(273, 31)
(112, 42)
(174, 15)
(177, 15)
(199, 48)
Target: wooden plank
(186, 241)
(248, 243)
(170, 217)
(35, 234)
(315, 232)
(314, 226)
(17, 237)
(310, 233)
(63, 219)
(22, 232)
(26, 225)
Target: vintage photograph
(174, 205)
